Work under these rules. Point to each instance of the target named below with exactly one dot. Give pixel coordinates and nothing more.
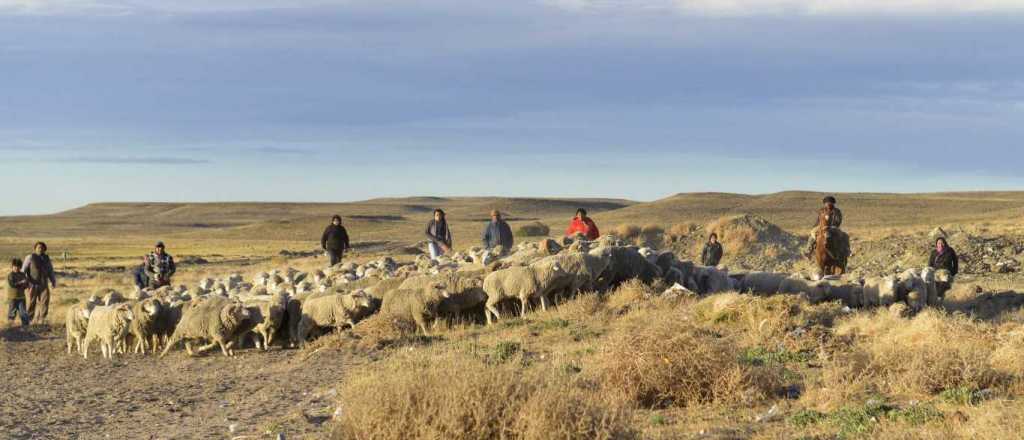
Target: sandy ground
(48, 394)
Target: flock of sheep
(292, 307)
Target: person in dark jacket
(944, 257)
(712, 253)
(139, 276)
(39, 269)
(497, 233)
(160, 267)
(17, 283)
(439, 234)
(335, 240)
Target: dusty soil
(48, 394)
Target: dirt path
(48, 394)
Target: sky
(339, 100)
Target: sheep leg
(543, 303)
(525, 303)
(491, 310)
(85, 352)
(188, 349)
(70, 338)
(223, 348)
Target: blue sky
(142, 100)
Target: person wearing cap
(160, 267)
(334, 241)
(832, 218)
(41, 276)
(497, 233)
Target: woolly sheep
(522, 283)
(928, 277)
(713, 280)
(77, 323)
(761, 283)
(580, 272)
(915, 290)
(266, 316)
(333, 311)
(113, 297)
(143, 327)
(213, 319)
(813, 291)
(463, 292)
(880, 291)
(850, 293)
(109, 325)
(626, 264)
(421, 304)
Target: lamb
(213, 319)
(333, 311)
(813, 291)
(77, 323)
(522, 282)
(880, 291)
(144, 325)
(109, 325)
(761, 283)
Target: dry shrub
(628, 295)
(1008, 357)
(658, 360)
(583, 307)
(652, 229)
(533, 229)
(445, 394)
(744, 234)
(763, 319)
(681, 230)
(627, 231)
(921, 356)
(381, 330)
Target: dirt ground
(50, 395)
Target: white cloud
(800, 7)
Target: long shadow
(987, 306)
(17, 334)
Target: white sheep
(109, 325)
(212, 319)
(520, 282)
(761, 283)
(881, 291)
(928, 277)
(333, 311)
(77, 323)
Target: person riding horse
(830, 218)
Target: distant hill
(396, 220)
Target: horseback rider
(832, 218)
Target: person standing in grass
(712, 253)
(439, 234)
(334, 241)
(17, 283)
(497, 234)
(582, 225)
(944, 257)
(161, 267)
(39, 270)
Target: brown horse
(830, 258)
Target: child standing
(17, 283)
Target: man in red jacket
(582, 225)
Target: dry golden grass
(923, 356)
(627, 231)
(427, 394)
(657, 360)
